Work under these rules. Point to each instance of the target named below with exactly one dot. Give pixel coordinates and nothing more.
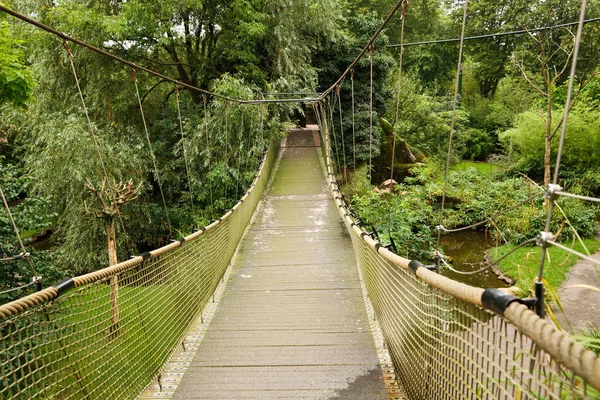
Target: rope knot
(67, 48)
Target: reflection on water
(467, 250)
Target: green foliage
(32, 215)
(16, 79)
(409, 214)
(333, 59)
(476, 144)
(525, 142)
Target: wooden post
(111, 237)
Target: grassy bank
(523, 264)
(481, 167)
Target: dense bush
(412, 210)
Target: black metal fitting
(498, 301)
(413, 266)
(540, 308)
(374, 233)
(64, 286)
(392, 246)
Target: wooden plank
(292, 322)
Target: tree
(544, 60)
(16, 79)
(334, 59)
(490, 56)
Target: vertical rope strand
(539, 283)
(207, 133)
(399, 88)
(18, 235)
(157, 176)
(187, 168)
(240, 152)
(85, 110)
(342, 133)
(226, 114)
(94, 137)
(332, 129)
(371, 112)
(454, 106)
(396, 117)
(353, 126)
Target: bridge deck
(292, 322)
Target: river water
(467, 250)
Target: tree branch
(533, 85)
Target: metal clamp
(543, 238)
(551, 192)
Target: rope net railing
(448, 340)
(81, 340)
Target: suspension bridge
(267, 302)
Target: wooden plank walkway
(292, 322)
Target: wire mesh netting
(111, 334)
(445, 345)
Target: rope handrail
(22, 304)
(509, 373)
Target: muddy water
(467, 250)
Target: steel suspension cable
(94, 137)
(240, 151)
(18, 235)
(226, 155)
(497, 34)
(454, 107)
(187, 168)
(403, 18)
(400, 62)
(491, 265)
(207, 133)
(494, 216)
(353, 127)
(85, 110)
(342, 134)
(157, 176)
(363, 51)
(332, 129)
(370, 111)
(68, 38)
(539, 283)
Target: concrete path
(581, 305)
(292, 322)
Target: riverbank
(563, 272)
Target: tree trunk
(111, 237)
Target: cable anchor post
(438, 260)
(542, 240)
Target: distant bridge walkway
(292, 321)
